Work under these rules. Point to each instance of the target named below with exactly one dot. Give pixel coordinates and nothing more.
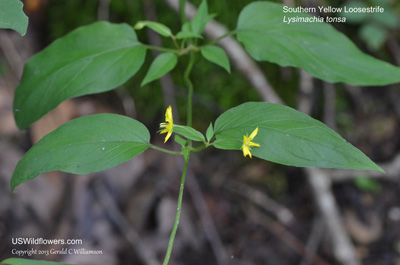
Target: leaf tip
(144, 82)
(13, 185)
(378, 168)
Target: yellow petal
(254, 144)
(167, 137)
(168, 124)
(164, 131)
(168, 115)
(253, 134)
(246, 151)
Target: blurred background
(236, 211)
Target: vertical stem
(178, 214)
(182, 10)
(190, 89)
(189, 123)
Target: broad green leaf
(91, 59)
(201, 18)
(157, 27)
(216, 55)
(287, 137)
(316, 47)
(84, 145)
(15, 261)
(164, 63)
(210, 133)
(12, 16)
(188, 133)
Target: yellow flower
(168, 124)
(247, 143)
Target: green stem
(182, 10)
(190, 88)
(162, 49)
(178, 214)
(199, 148)
(165, 150)
(175, 42)
(233, 32)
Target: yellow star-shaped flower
(247, 143)
(168, 124)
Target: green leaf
(209, 132)
(157, 27)
(287, 137)
(90, 59)
(187, 32)
(14, 261)
(12, 16)
(84, 145)
(216, 55)
(374, 35)
(180, 140)
(387, 19)
(187, 35)
(164, 63)
(367, 184)
(201, 18)
(316, 47)
(188, 133)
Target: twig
(206, 219)
(283, 214)
(323, 197)
(329, 105)
(305, 92)
(394, 48)
(314, 239)
(103, 11)
(320, 184)
(288, 2)
(145, 252)
(283, 234)
(392, 170)
(240, 58)
(11, 53)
